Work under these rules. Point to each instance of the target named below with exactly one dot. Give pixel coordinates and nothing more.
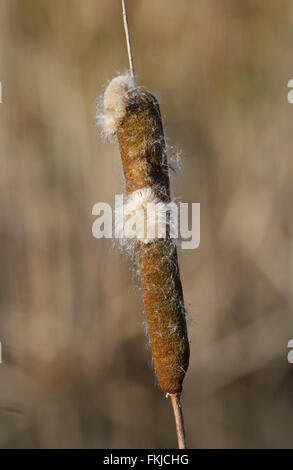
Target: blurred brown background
(76, 368)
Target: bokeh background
(76, 368)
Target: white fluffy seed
(115, 99)
(144, 216)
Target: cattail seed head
(135, 116)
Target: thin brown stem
(178, 415)
(129, 49)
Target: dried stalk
(178, 415)
(129, 48)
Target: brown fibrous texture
(143, 153)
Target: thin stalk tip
(129, 49)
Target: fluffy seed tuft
(147, 213)
(114, 105)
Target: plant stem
(129, 49)
(178, 415)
